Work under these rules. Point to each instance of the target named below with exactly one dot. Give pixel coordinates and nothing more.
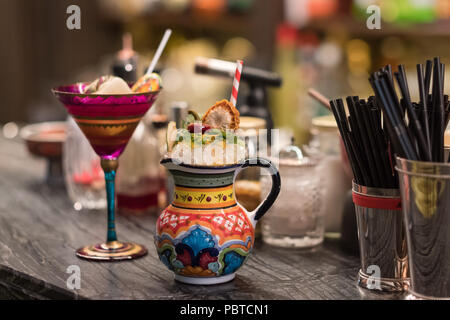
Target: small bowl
(45, 139)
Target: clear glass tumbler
(85, 181)
(425, 191)
(139, 181)
(297, 217)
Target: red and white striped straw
(237, 79)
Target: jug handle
(259, 212)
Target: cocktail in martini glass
(108, 122)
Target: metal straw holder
(425, 191)
(382, 241)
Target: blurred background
(323, 44)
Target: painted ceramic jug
(204, 235)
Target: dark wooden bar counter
(40, 230)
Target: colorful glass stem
(109, 166)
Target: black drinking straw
(432, 117)
(390, 138)
(390, 144)
(371, 135)
(440, 110)
(447, 110)
(424, 103)
(388, 70)
(355, 142)
(410, 129)
(388, 75)
(414, 121)
(381, 87)
(382, 147)
(345, 138)
(437, 111)
(364, 141)
(427, 80)
(402, 73)
(398, 113)
(355, 137)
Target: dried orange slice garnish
(223, 115)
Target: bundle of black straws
(366, 142)
(415, 129)
(412, 130)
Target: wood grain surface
(40, 231)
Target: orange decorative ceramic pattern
(204, 198)
(229, 224)
(204, 243)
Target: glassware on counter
(326, 142)
(108, 121)
(297, 217)
(382, 239)
(45, 140)
(139, 181)
(84, 176)
(425, 195)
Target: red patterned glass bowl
(108, 121)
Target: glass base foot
(382, 284)
(112, 251)
(292, 242)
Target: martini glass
(108, 122)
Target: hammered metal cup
(425, 191)
(382, 241)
